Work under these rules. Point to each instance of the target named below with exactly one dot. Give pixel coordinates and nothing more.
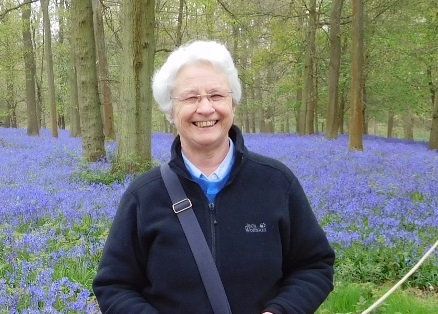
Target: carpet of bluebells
(379, 209)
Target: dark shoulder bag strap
(182, 206)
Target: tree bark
(334, 70)
(408, 126)
(10, 103)
(49, 67)
(30, 72)
(309, 97)
(135, 126)
(104, 76)
(356, 119)
(75, 120)
(390, 129)
(93, 140)
(433, 139)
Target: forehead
(198, 76)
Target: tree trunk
(63, 80)
(179, 33)
(30, 72)
(4, 118)
(75, 120)
(433, 139)
(301, 90)
(341, 112)
(49, 67)
(104, 76)
(309, 99)
(93, 140)
(298, 121)
(10, 103)
(356, 118)
(39, 100)
(334, 70)
(390, 129)
(408, 126)
(138, 49)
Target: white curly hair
(212, 52)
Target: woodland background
(356, 67)
(343, 69)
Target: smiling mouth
(205, 124)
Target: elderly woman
(270, 251)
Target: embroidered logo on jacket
(255, 228)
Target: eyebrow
(210, 90)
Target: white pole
(379, 301)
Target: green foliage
(417, 196)
(133, 165)
(70, 259)
(103, 173)
(361, 263)
(352, 298)
(106, 177)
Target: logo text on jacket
(255, 228)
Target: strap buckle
(181, 206)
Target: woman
(271, 253)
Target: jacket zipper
(213, 223)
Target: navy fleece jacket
(270, 251)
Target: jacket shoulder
(146, 178)
(271, 164)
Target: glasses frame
(199, 98)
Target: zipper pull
(213, 214)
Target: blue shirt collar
(219, 173)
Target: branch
(2, 14)
(224, 6)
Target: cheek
(179, 115)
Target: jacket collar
(177, 163)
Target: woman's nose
(205, 106)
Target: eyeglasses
(194, 99)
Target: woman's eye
(216, 97)
(191, 99)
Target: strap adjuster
(181, 206)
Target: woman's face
(202, 124)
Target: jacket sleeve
(308, 262)
(121, 275)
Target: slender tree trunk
(10, 102)
(30, 72)
(135, 127)
(63, 81)
(298, 121)
(341, 115)
(356, 118)
(49, 67)
(104, 76)
(5, 118)
(390, 129)
(253, 112)
(408, 126)
(309, 97)
(9, 75)
(334, 70)
(93, 140)
(433, 139)
(179, 33)
(268, 108)
(302, 89)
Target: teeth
(204, 124)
